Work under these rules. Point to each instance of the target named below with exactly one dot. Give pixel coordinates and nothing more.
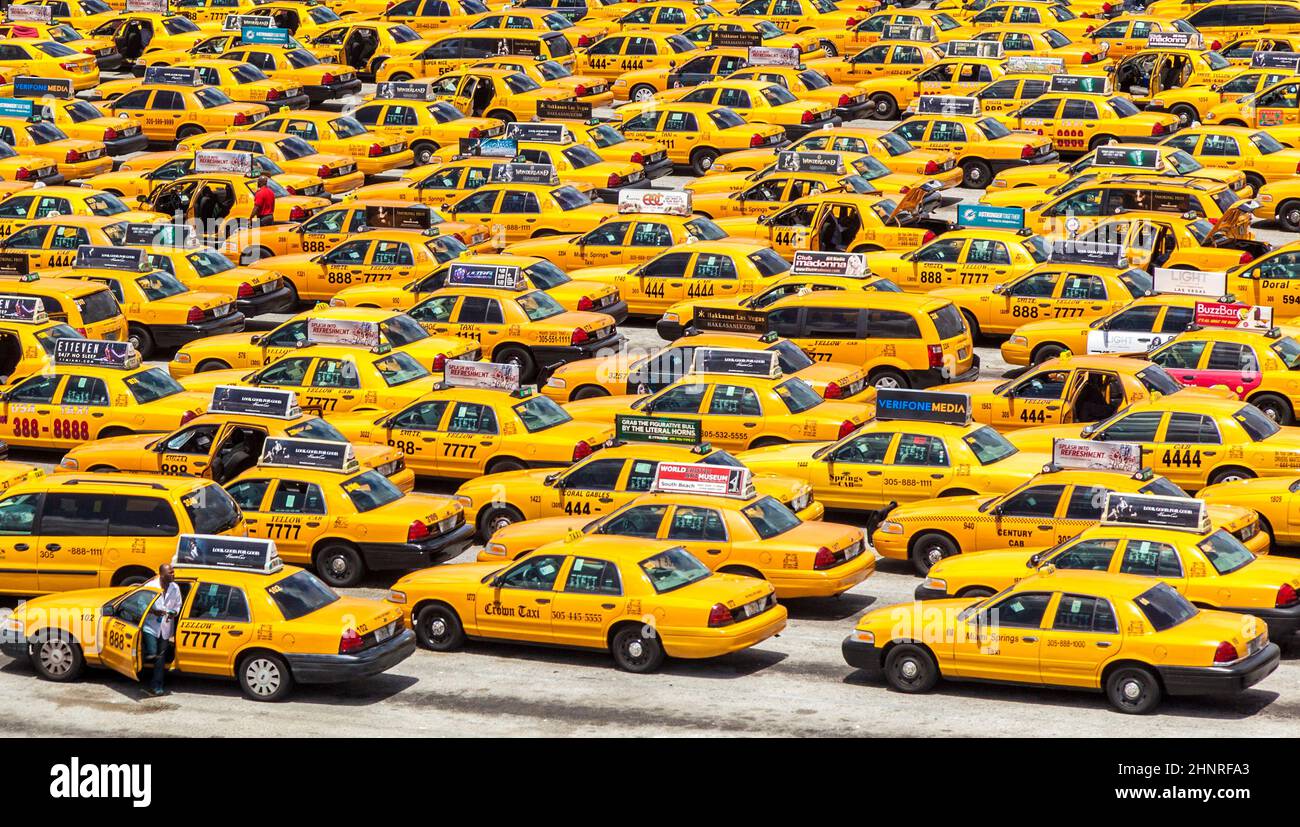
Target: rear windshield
(316, 428)
(300, 594)
(211, 510)
(1138, 282)
(369, 490)
(673, 568)
(98, 306)
(1257, 426)
(948, 321)
(152, 384)
(769, 517)
(1225, 198)
(988, 445)
(402, 330)
(790, 356)
(797, 395)
(1225, 552)
(540, 413)
(1158, 380)
(1164, 607)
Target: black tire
(294, 301)
(438, 628)
(976, 175)
(930, 548)
(132, 577)
(140, 336)
(633, 651)
(496, 517)
(866, 248)
(264, 676)
(340, 565)
(884, 107)
(503, 464)
(1288, 216)
(911, 669)
(889, 378)
(423, 152)
(702, 160)
(1043, 352)
(1230, 473)
(641, 93)
(973, 325)
(502, 115)
(1255, 180)
(211, 364)
(515, 355)
(400, 77)
(189, 130)
(1100, 140)
(1275, 407)
(1133, 690)
(765, 441)
(1234, 122)
(976, 591)
(1186, 114)
(58, 657)
(589, 392)
(253, 254)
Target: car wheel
(1288, 215)
(503, 115)
(976, 591)
(423, 153)
(188, 131)
(438, 627)
(1255, 180)
(972, 324)
(589, 392)
(58, 657)
(976, 175)
(829, 48)
(340, 566)
(702, 160)
(635, 651)
(1230, 474)
(929, 549)
(889, 379)
(641, 93)
(1100, 140)
(521, 358)
(911, 669)
(399, 77)
(496, 517)
(1044, 352)
(884, 107)
(504, 464)
(264, 676)
(254, 254)
(1186, 114)
(211, 364)
(1275, 408)
(1133, 690)
(140, 339)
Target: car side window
(1081, 613)
(249, 493)
(1136, 427)
(1150, 559)
(638, 521)
(37, 390)
(682, 399)
(423, 416)
(131, 608)
(336, 373)
(18, 514)
(472, 418)
(919, 449)
(597, 475)
(1232, 356)
(1023, 610)
(1039, 501)
(135, 516)
(1089, 555)
(1086, 502)
(588, 576)
(534, 573)
(1180, 355)
(864, 448)
(1191, 428)
(696, 523)
(219, 602)
(1047, 384)
(734, 400)
(85, 390)
(292, 497)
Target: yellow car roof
(1098, 361)
(618, 549)
(122, 482)
(1118, 586)
(868, 299)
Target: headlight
(495, 549)
(671, 317)
(863, 636)
(937, 583)
(1018, 340)
(394, 596)
(464, 501)
(183, 358)
(556, 382)
(890, 527)
(69, 463)
(11, 626)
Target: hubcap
(56, 656)
(887, 382)
(933, 555)
(909, 670)
(437, 627)
(338, 565)
(1132, 690)
(1293, 217)
(636, 649)
(500, 522)
(644, 94)
(263, 676)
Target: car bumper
(669, 331)
(341, 668)
(826, 583)
(923, 592)
(1281, 622)
(85, 169)
(174, 335)
(857, 111)
(795, 132)
(1213, 680)
(121, 146)
(935, 376)
(660, 168)
(321, 92)
(339, 184)
(383, 163)
(1003, 164)
(1015, 354)
(723, 640)
(14, 645)
(861, 655)
(617, 311)
(277, 301)
(390, 556)
(551, 357)
(300, 101)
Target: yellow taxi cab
(20, 171)
(325, 638)
(890, 149)
(213, 11)
(448, 51)
(218, 196)
(495, 306)
(480, 420)
(81, 14)
(323, 510)
(668, 16)
(1171, 539)
(27, 336)
(622, 52)
(450, 15)
(582, 33)
(1127, 34)
(438, 183)
(1157, 73)
(796, 15)
(590, 89)
(500, 94)
(172, 105)
(21, 129)
(1272, 497)
(1044, 40)
(1258, 156)
(321, 81)
(1026, 78)
(848, 103)
(1221, 441)
(836, 221)
(921, 445)
(728, 30)
(890, 23)
(612, 477)
(741, 400)
(160, 310)
(210, 45)
(1049, 509)
(1090, 200)
(89, 309)
(337, 173)
(710, 62)
(410, 112)
(708, 614)
(57, 203)
(365, 45)
(339, 134)
(1273, 108)
(697, 134)
(1053, 15)
(81, 119)
(1080, 113)
(984, 146)
(899, 56)
(22, 23)
(1194, 103)
(522, 200)
(204, 269)
(1222, 22)
(241, 82)
(49, 59)
(722, 519)
(1159, 642)
(973, 255)
(146, 25)
(138, 175)
(890, 95)
(94, 389)
(361, 327)
(1168, 157)
(758, 101)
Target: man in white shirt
(160, 626)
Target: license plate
(221, 311)
(962, 353)
(852, 551)
(1255, 645)
(383, 634)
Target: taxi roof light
(211, 551)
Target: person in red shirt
(263, 203)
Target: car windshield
(151, 384)
(790, 356)
(1123, 107)
(445, 247)
(1256, 425)
(402, 330)
(1038, 248)
(50, 335)
(443, 112)
(208, 262)
(400, 368)
(1182, 162)
(1164, 607)
(722, 458)
(1157, 380)
(725, 118)
(347, 127)
(54, 49)
(570, 198)
(1216, 60)
(211, 510)
(105, 203)
(300, 594)
(298, 58)
(703, 229)
(540, 413)
(988, 445)
(369, 490)
(673, 568)
(1055, 38)
(247, 73)
(316, 428)
(992, 129)
(159, 285)
(294, 148)
(797, 395)
(546, 276)
(552, 70)
(769, 517)
(1225, 552)
(813, 79)
(538, 305)
(1265, 143)
(580, 156)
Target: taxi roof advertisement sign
(828, 263)
(737, 362)
(772, 56)
(630, 428)
(16, 108)
(1101, 456)
(95, 353)
(1190, 282)
(657, 202)
(239, 22)
(904, 31)
(212, 551)
(1099, 253)
(309, 453)
(1032, 64)
(142, 234)
(539, 133)
(22, 309)
(343, 332)
(923, 406)
(398, 218)
(1122, 156)
(1098, 84)
(405, 90)
(564, 110)
(1173, 40)
(1234, 315)
(173, 75)
(29, 14)
(523, 174)
(96, 257)
(263, 36)
(498, 147)
(831, 163)
(947, 105)
(991, 217)
(1151, 510)
(735, 40)
(465, 274)
(731, 320)
(1275, 60)
(495, 376)
(27, 86)
(233, 399)
(223, 160)
(699, 478)
(14, 264)
(148, 6)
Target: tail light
(1246, 258)
(72, 157)
(904, 190)
(928, 237)
(931, 168)
(187, 416)
(1106, 7)
(581, 450)
(194, 316)
(846, 428)
(417, 531)
(110, 134)
(474, 133)
(825, 558)
(82, 331)
(350, 641)
(1212, 220)
(833, 391)
(440, 362)
(69, 67)
(245, 291)
(89, 50)
(579, 90)
(240, 120)
(1158, 129)
(1297, 169)
(579, 337)
(1026, 152)
(844, 100)
(583, 40)
(1087, 58)
(291, 190)
(584, 303)
(1090, 30)
(851, 22)
(272, 95)
(638, 158)
(324, 171)
(935, 352)
(807, 116)
(22, 173)
(1286, 595)
(755, 140)
(614, 180)
(1226, 653)
(375, 149)
(328, 77)
(1215, 46)
(720, 615)
(297, 214)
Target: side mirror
(551, 479)
(255, 340)
(108, 610)
(999, 289)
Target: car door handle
(543, 600)
(1053, 407)
(1103, 643)
(314, 525)
(874, 473)
(936, 476)
(249, 522)
(1044, 528)
(52, 546)
(1031, 640)
(428, 439)
(21, 547)
(714, 550)
(235, 633)
(606, 605)
(97, 414)
(1209, 453)
(606, 500)
(43, 412)
(485, 442)
(749, 424)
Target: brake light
(1026, 152)
(846, 428)
(931, 168)
(350, 641)
(579, 336)
(614, 180)
(291, 190)
(297, 214)
(928, 237)
(807, 116)
(833, 391)
(72, 157)
(324, 171)
(579, 90)
(474, 133)
(720, 615)
(194, 316)
(89, 50)
(1087, 58)
(110, 134)
(1286, 595)
(1212, 220)
(1158, 129)
(274, 94)
(851, 22)
(328, 77)
(245, 291)
(22, 173)
(187, 416)
(1246, 258)
(240, 120)
(584, 303)
(440, 362)
(756, 140)
(416, 532)
(637, 158)
(581, 451)
(376, 149)
(69, 67)
(1090, 30)
(1215, 46)
(1226, 653)
(825, 558)
(583, 40)
(935, 352)
(1106, 7)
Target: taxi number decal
(71, 429)
(610, 62)
(462, 451)
(577, 508)
(1178, 458)
(316, 246)
(404, 447)
(931, 277)
(1022, 312)
(577, 617)
(323, 402)
(27, 427)
(200, 640)
(1069, 312)
(116, 638)
(338, 278)
(1031, 415)
(654, 289)
(818, 356)
(695, 291)
(282, 531)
